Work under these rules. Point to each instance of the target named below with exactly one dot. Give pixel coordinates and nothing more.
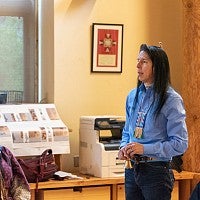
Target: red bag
(39, 168)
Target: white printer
(99, 145)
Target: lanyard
(140, 121)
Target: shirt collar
(143, 88)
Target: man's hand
(134, 148)
(122, 154)
(128, 151)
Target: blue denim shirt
(164, 136)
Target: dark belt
(139, 158)
(143, 159)
(151, 163)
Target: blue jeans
(195, 193)
(149, 181)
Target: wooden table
(181, 190)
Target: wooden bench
(104, 188)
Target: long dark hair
(161, 71)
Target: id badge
(138, 132)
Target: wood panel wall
(191, 81)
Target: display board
(29, 129)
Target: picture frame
(107, 46)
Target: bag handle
(42, 164)
(45, 153)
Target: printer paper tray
(109, 147)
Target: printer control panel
(108, 123)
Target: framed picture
(107, 44)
